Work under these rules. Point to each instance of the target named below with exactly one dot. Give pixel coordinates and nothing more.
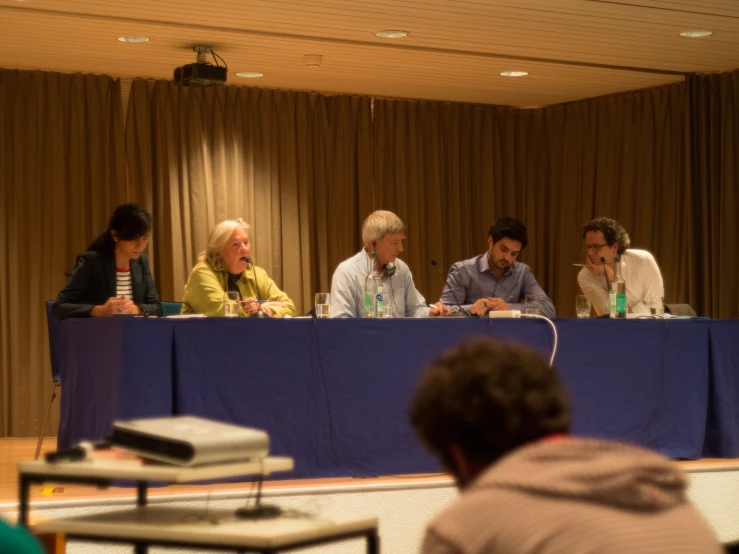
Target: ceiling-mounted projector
(202, 72)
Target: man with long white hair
(382, 235)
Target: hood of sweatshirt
(603, 472)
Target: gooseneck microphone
(605, 272)
(461, 311)
(259, 312)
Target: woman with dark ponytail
(113, 276)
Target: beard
(498, 264)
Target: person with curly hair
(605, 240)
(498, 419)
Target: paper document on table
(184, 316)
(647, 316)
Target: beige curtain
(62, 171)
(711, 259)
(297, 166)
(305, 169)
(449, 170)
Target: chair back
(171, 308)
(54, 326)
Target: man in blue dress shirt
(495, 280)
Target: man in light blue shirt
(383, 234)
(495, 280)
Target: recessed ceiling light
(133, 39)
(514, 73)
(249, 74)
(392, 34)
(696, 34)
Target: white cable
(554, 330)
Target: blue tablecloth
(334, 393)
(722, 429)
(115, 368)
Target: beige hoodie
(574, 496)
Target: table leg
(141, 493)
(141, 489)
(24, 493)
(373, 542)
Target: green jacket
(206, 288)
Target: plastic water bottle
(617, 295)
(372, 291)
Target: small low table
(213, 529)
(217, 529)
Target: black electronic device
(202, 72)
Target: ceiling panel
(572, 49)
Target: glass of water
(582, 306)
(323, 305)
(532, 305)
(656, 306)
(231, 304)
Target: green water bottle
(619, 289)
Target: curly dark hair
(508, 227)
(612, 231)
(488, 398)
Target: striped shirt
(123, 283)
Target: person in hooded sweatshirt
(497, 417)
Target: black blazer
(94, 280)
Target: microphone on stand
(461, 312)
(259, 312)
(605, 274)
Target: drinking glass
(656, 306)
(582, 306)
(532, 306)
(323, 305)
(231, 304)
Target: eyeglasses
(593, 247)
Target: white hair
(378, 224)
(218, 239)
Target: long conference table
(334, 394)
